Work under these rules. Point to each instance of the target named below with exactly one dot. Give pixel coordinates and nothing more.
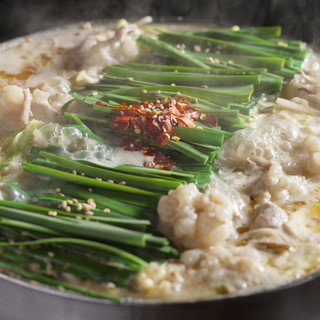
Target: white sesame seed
(106, 210)
(197, 48)
(86, 206)
(111, 285)
(110, 181)
(122, 183)
(89, 213)
(50, 254)
(90, 190)
(67, 209)
(93, 205)
(57, 190)
(79, 206)
(129, 78)
(64, 204)
(52, 213)
(150, 164)
(181, 46)
(69, 201)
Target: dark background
(299, 18)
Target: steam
(20, 18)
(300, 19)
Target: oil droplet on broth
(10, 79)
(315, 209)
(314, 212)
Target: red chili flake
(162, 139)
(156, 120)
(212, 119)
(100, 103)
(184, 122)
(148, 153)
(161, 159)
(154, 129)
(131, 143)
(121, 122)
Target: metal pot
(20, 300)
(298, 300)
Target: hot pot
(298, 300)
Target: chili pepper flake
(212, 119)
(160, 160)
(156, 120)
